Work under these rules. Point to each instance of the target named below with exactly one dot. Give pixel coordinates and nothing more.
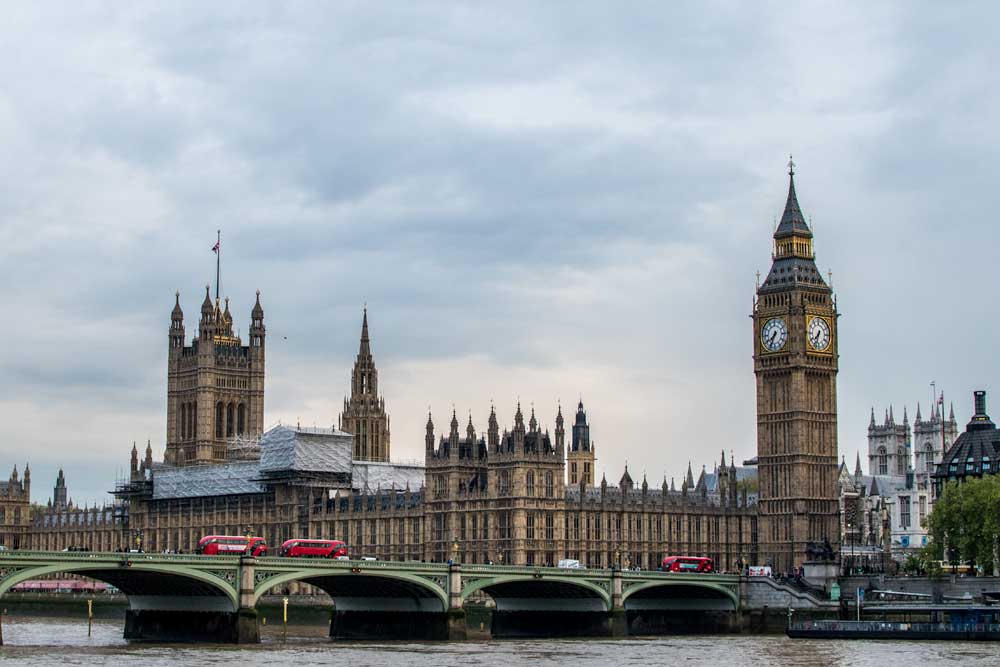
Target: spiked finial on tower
(857, 465)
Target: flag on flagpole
(215, 248)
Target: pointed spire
(206, 305)
(365, 349)
(792, 220)
(951, 416)
(723, 459)
(857, 465)
(690, 476)
(905, 418)
(872, 424)
(892, 419)
(916, 420)
(258, 310)
(177, 313)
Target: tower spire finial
(791, 165)
(365, 345)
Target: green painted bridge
(392, 599)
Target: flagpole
(218, 259)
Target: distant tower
(59, 497)
(796, 360)
(364, 413)
(889, 446)
(581, 453)
(927, 443)
(215, 386)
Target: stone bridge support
(206, 620)
(455, 615)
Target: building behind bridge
(482, 495)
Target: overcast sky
(539, 201)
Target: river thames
(48, 641)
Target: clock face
(774, 334)
(818, 332)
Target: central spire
(365, 346)
(792, 220)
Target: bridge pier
(247, 627)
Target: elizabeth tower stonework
(795, 361)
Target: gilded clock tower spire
(795, 361)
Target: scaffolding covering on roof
(202, 481)
(285, 449)
(369, 476)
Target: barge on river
(955, 622)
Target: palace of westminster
(522, 496)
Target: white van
(570, 564)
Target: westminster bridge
(381, 598)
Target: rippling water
(47, 641)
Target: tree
(965, 523)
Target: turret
(470, 438)
(453, 437)
(149, 456)
(493, 433)
(134, 460)
(429, 440)
(560, 432)
(176, 334)
(257, 330)
(518, 430)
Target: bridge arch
(146, 585)
(366, 590)
(680, 595)
(537, 592)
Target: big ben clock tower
(795, 361)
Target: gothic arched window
(230, 419)
(218, 419)
(883, 462)
(548, 484)
(530, 483)
(241, 419)
(929, 457)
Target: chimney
(980, 398)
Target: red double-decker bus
(302, 548)
(687, 564)
(231, 545)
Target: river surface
(51, 641)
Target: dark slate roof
(792, 220)
(787, 272)
(978, 446)
(742, 473)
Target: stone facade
(15, 509)
(215, 386)
(62, 525)
(796, 362)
